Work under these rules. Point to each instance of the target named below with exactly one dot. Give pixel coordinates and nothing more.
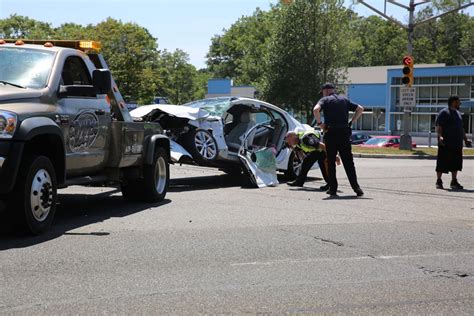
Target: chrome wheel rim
(41, 195)
(160, 175)
(205, 145)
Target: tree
(240, 53)
(178, 77)
(307, 50)
(18, 26)
(375, 42)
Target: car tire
(35, 195)
(294, 167)
(152, 188)
(202, 146)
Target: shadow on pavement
(75, 211)
(218, 181)
(208, 183)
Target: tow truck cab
(64, 122)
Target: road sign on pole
(407, 97)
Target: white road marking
(291, 261)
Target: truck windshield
(25, 67)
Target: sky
(185, 24)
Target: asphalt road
(215, 246)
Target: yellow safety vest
(305, 148)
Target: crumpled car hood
(180, 111)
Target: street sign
(407, 97)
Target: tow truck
(64, 122)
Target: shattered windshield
(215, 107)
(25, 67)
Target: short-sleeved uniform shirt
(336, 110)
(452, 127)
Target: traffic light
(408, 79)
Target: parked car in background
(383, 141)
(218, 131)
(359, 138)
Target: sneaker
(324, 187)
(295, 183)
(359, 192)
(439, 184)
(455, 185)
(331, 192)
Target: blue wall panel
(372, 95)
(219, 86)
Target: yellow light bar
(82, 45)
(90, 45)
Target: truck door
(85, 120)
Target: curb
(420, 157)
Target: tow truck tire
(153, 186)
(156, 177)
(294, 167)
(35, 195)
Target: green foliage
(178, 76)
(307, 50)
(375, 41)
(240, 53)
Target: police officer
(308, 142)
(338, 130)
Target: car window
(262, 117)
(216, 106)
(376, 141)
(75, 72)
(228, 118)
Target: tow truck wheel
(35, 195)
(156, 177)
(154, 185)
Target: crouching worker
(310, 143)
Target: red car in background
(383, 141)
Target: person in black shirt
(337, 135)
(450, 142)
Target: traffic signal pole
(405, 138)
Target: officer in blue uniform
(337, 128)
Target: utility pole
(405, 139)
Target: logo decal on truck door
(83, 132)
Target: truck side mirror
(102, 80)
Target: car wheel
(203, 146)
(294, 166)
(35, 195)
(153, 186)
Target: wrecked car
(230, 133)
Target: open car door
(259, 159)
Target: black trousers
(338, 140)
(309, 161)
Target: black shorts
(449, 159)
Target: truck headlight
(8, 123)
